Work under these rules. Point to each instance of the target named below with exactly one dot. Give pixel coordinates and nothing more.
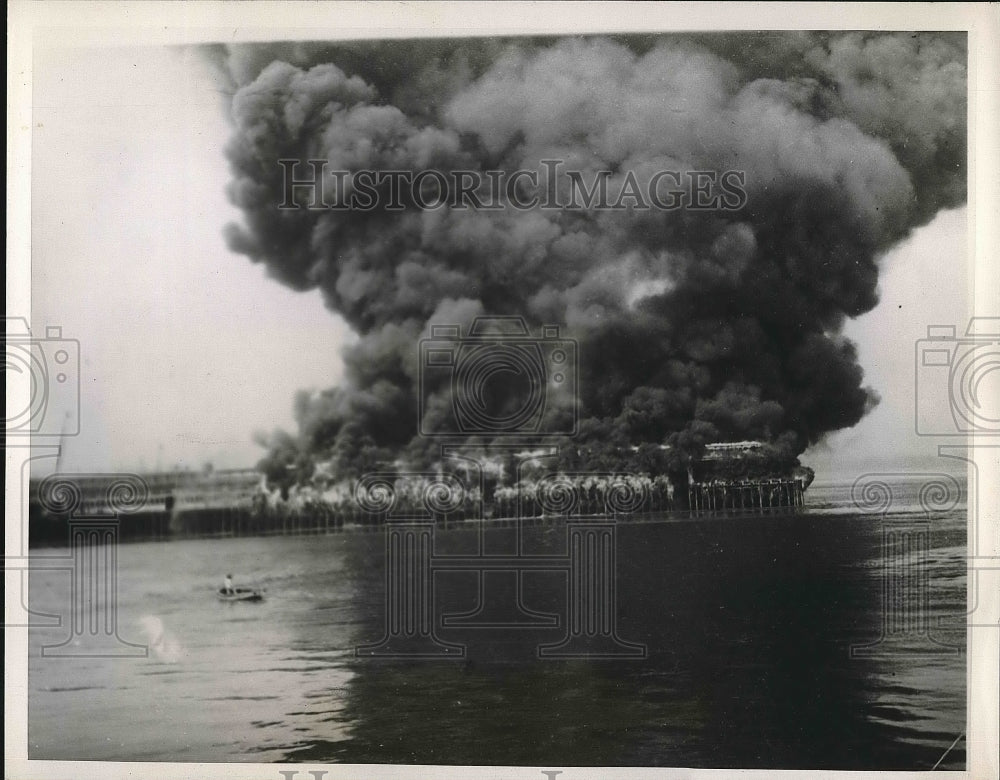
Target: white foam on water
(163, 645)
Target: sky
(187, 348)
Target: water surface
(747, 623)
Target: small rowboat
(241, 594)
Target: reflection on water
(747, 622)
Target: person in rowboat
(228, 585)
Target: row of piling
(748, 496)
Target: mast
(62, 443)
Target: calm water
(747, 622)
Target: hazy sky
(187, 348)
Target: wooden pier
(759, 495)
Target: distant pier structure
(176, 503)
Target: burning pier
(729, 478)
(732, 476)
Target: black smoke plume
(694, 326)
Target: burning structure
(698, 320)
(740, 476)
(728, 478)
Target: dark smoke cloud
(694, 325)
